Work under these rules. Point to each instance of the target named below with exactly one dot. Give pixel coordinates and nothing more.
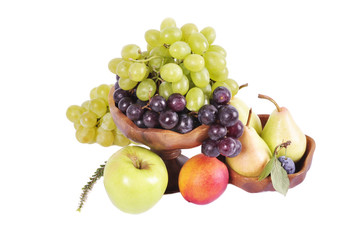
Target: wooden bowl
(252, 185)
(166, 143)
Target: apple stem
(270, 99)
(249, 117)
(135, 162)
(242, 86)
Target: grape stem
(280, 146)
(242, 86)
(270, 99)
(144, 60)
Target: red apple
(203, 179)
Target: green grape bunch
(177, 60)
(93, 122)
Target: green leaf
(267, 169)
(279, 177)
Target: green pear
(281, 127)
(254, 155)
(243, 110)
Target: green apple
(135, 179)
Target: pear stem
(242, 86)
(270, 99)
(249, 117)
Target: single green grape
(146, 89)
(165, 89)
(215, 62)
(108, 122)
(74, 112)
(195, 99)
(181, 86)
(171, 72)
(233, 85)
(138, 71)
(156, 63)
(123, 69)
(98, 106)
(120, 139)
(93, 93)
(207, 90)
(104, 138)
(160, 52)
(219, 76)
(179, 50)
(131, 51)
(152, 37)
(198, 43)
(127, 84)
(219, 84)
(85, 104)
(88, 119)
(201, 78)
(167, 22)
(187, 29)
(112, 65)
(217, 48)
(170, 35)
(209, 33)
(102, 91)
(194, 62)
(85, 135)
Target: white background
(304, 54)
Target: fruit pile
(93, 122)
(179, 83)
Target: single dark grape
(176, 102)
(210, 148)
(157, 103)
(124, 103)
(221, 95)
(150, 119)
(227, 146)
(139, 123)
(207, 114)
(288, 164)
(228, 115)
(217, 131)
(119, 94)
(235, 130)
(134, 112)
(168, 119)
(185, 124)
(238, 148)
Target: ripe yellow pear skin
(243, 110)
(254, 155)
(281, 127)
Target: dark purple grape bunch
(168, 114)
(224, 126)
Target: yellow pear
(254, 155)
(281, 127)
